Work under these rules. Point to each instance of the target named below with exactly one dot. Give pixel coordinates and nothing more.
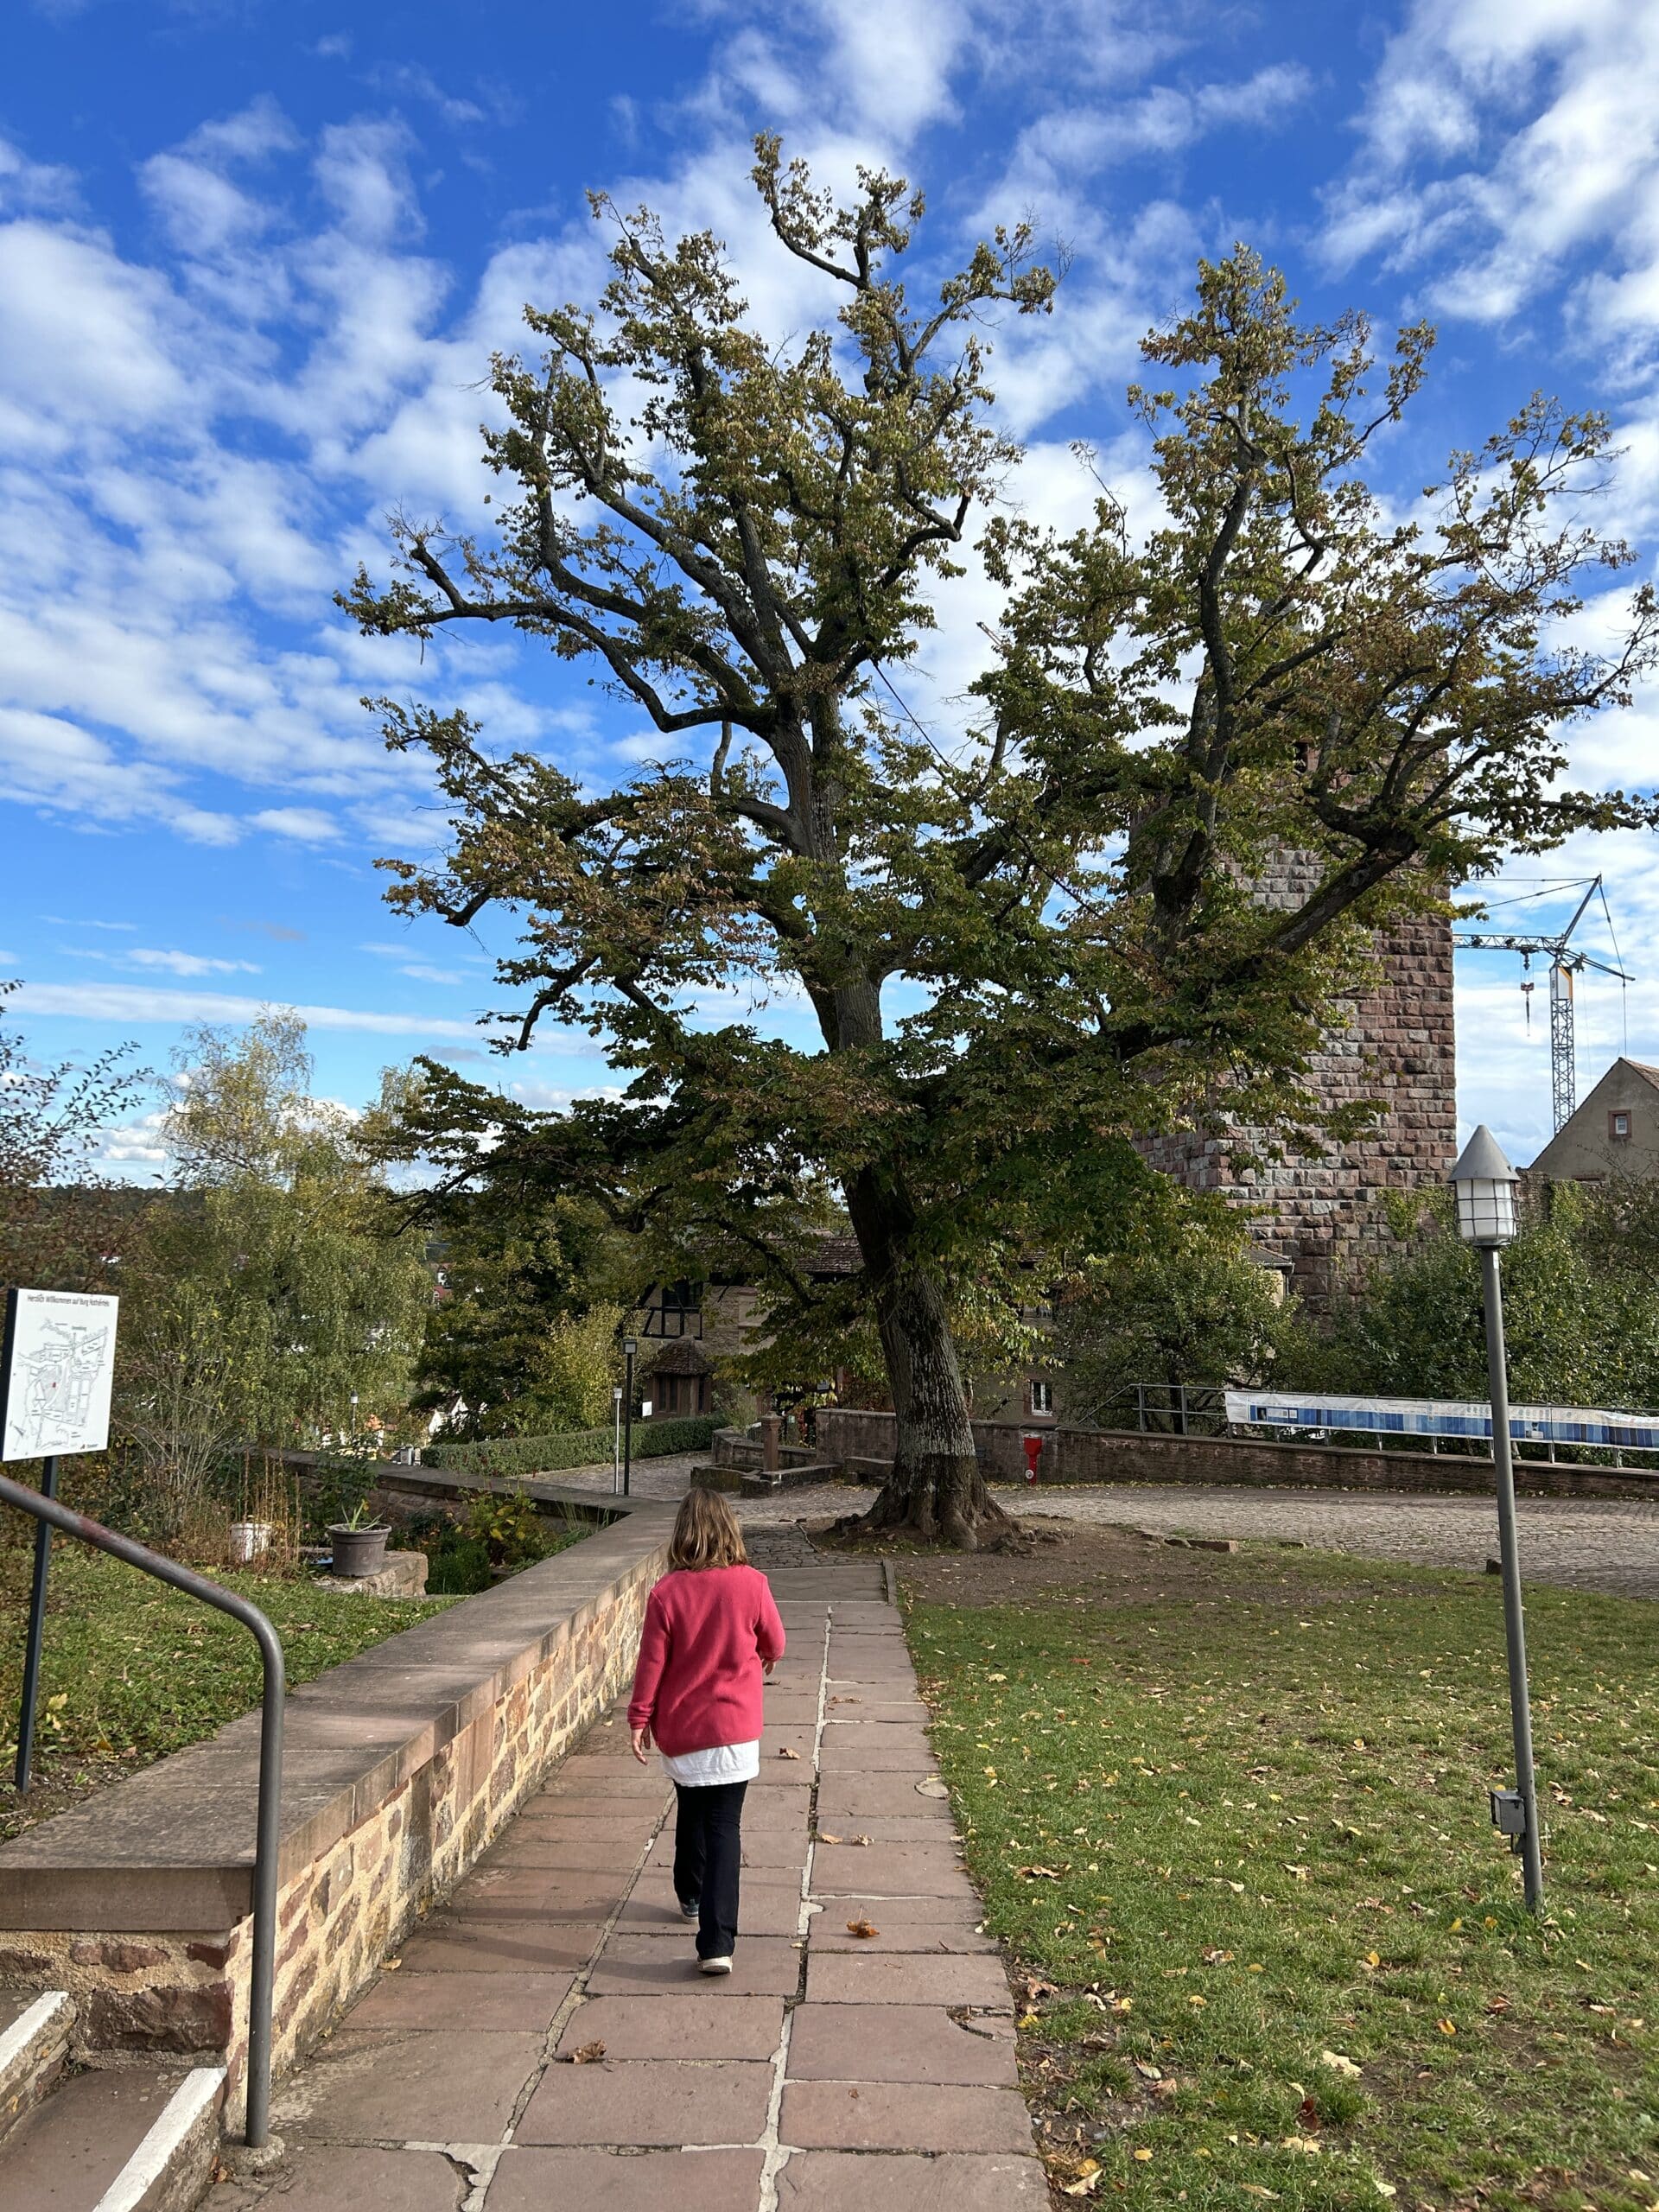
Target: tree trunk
(936, 1490)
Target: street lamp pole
(629, 1346)
(1485, 1183)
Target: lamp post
(629, 1345)
(1485, 1183)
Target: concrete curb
(174, 2163)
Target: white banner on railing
(1468, 1418)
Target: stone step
(33, 2043)
(800, 1477)
(140, 2139)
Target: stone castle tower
(1321, 1219)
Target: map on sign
(59, 1366)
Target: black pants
(708, 1850)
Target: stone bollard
(772, 1435)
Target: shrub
(580, 1448)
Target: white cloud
(306, 825)
(122, 1004)
(188, 963)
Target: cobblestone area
(1610, 1544)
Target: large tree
(1027, 937)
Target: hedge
(576, 1447)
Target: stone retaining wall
(400, 1767)
(863, 1442)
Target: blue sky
(253, 258)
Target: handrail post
(269, 1820)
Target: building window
(1619, 1125)
(1042, 1397)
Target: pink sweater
(697, 1683)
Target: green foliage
(142, 1670)
(1580, 1310)
(63, 1225)
(534, 1455)
(577, 1363)
(509, 1527)
(1231, 1834)
(1181, 1301)
(266, 1292)
(746, 532)
(499, 1531)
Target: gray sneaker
(691, 1908)
(715, 1966)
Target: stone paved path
(1590, 1543)
(829, 2072)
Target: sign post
(56, 1368)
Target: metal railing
(267, 1829)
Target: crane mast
(1565, 963)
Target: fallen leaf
(824, 1836)
(588, 2054)
(1083, 2186)
(1036, 1987)
(1213, 1957)
(864, 1928)
(1147, 2071)
(1143, 2155)
(1339, 2063)
(1305, 2144)
(1308, 2113)
(390, 1966)
(1036, 1873)
(1499, 2004)
(783, 1753)
(1371, 1959)
(1254, 2188)
(1446, 2027)
(1384, 2188)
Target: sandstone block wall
(1323, 1217)
(371, 1835)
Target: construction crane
(1565, 963)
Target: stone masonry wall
(863, 1442)
(1323, 1217)
(343, 1912)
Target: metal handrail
(268, 1831)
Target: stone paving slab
(890, 1870)
(768, 1908)
(841, 2181)
(454, 1944)
(900, 2043)
(509, 2001)
(874, 1978)
(902, 2116)
(843, 1796)
(896, 1930)
(454, 2086)
(663, 1966)
(650, 2101)
(642, 2027)
(567, 1935)
(338, 2179)
(598, 2181)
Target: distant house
(1614, 1132)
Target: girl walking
(711, 1630)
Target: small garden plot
(131, 1671)
(1230, 1816)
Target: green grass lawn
(1245, 1839)
(132, 1670)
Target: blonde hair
(706, 1533)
